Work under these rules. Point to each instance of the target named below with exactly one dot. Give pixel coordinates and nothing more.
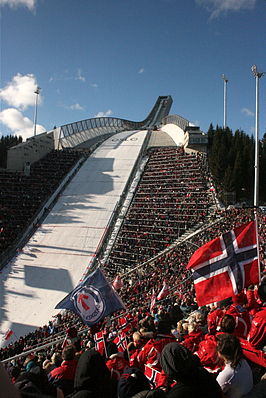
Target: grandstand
(135, 198)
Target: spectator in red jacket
(150, 353)
(216, 314)
(63, 376)
(207, 351)
(116, 361)
(241, 315)
(253, 304)
(135, 346)
(257, 333)
(193, 338)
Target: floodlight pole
(37, 92)
(225, 100)
(257, 76)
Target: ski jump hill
(71, 231)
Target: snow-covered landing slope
(57, 255)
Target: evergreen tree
(7, 142)
(231, 162)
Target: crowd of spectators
(174, 349)
(22, 194)
(171, 197)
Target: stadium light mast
(37, 92)
(225, 100)
(257, 76)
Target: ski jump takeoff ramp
(61, 250)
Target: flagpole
(225, 100)
(127, 348)
(257, 76)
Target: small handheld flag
(153, 301)
(121, 342)
(152, 375)
(100, 343)
(118, 283)
(93, 299)
(163, 292)
(8, 334)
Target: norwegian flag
(164, 291)
(100, 342)
(153, 300)
(152, 375)
(118, 283)
(125, 323)
(121, 342)
(8, 334)
(225, 265)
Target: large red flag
(225, 265)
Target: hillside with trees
(231, 161)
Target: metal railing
(175, 119)
(76, 133)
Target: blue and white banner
(93, 299)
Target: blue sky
(115, 57)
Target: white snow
(61, 250)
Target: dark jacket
(93, 377)
(192, 379)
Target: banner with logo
(93, 299)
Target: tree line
(231, 162)
(7, 142)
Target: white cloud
(247, 112)
(72, 107)
(196, 123)
(17, 3)
(66, 76)
(141, 70)
(104, 114)
(95, 85)
(20, 91)
(79, 76)
(76, 107)
(217, 7)
(19, 124)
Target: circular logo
(89, 303)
